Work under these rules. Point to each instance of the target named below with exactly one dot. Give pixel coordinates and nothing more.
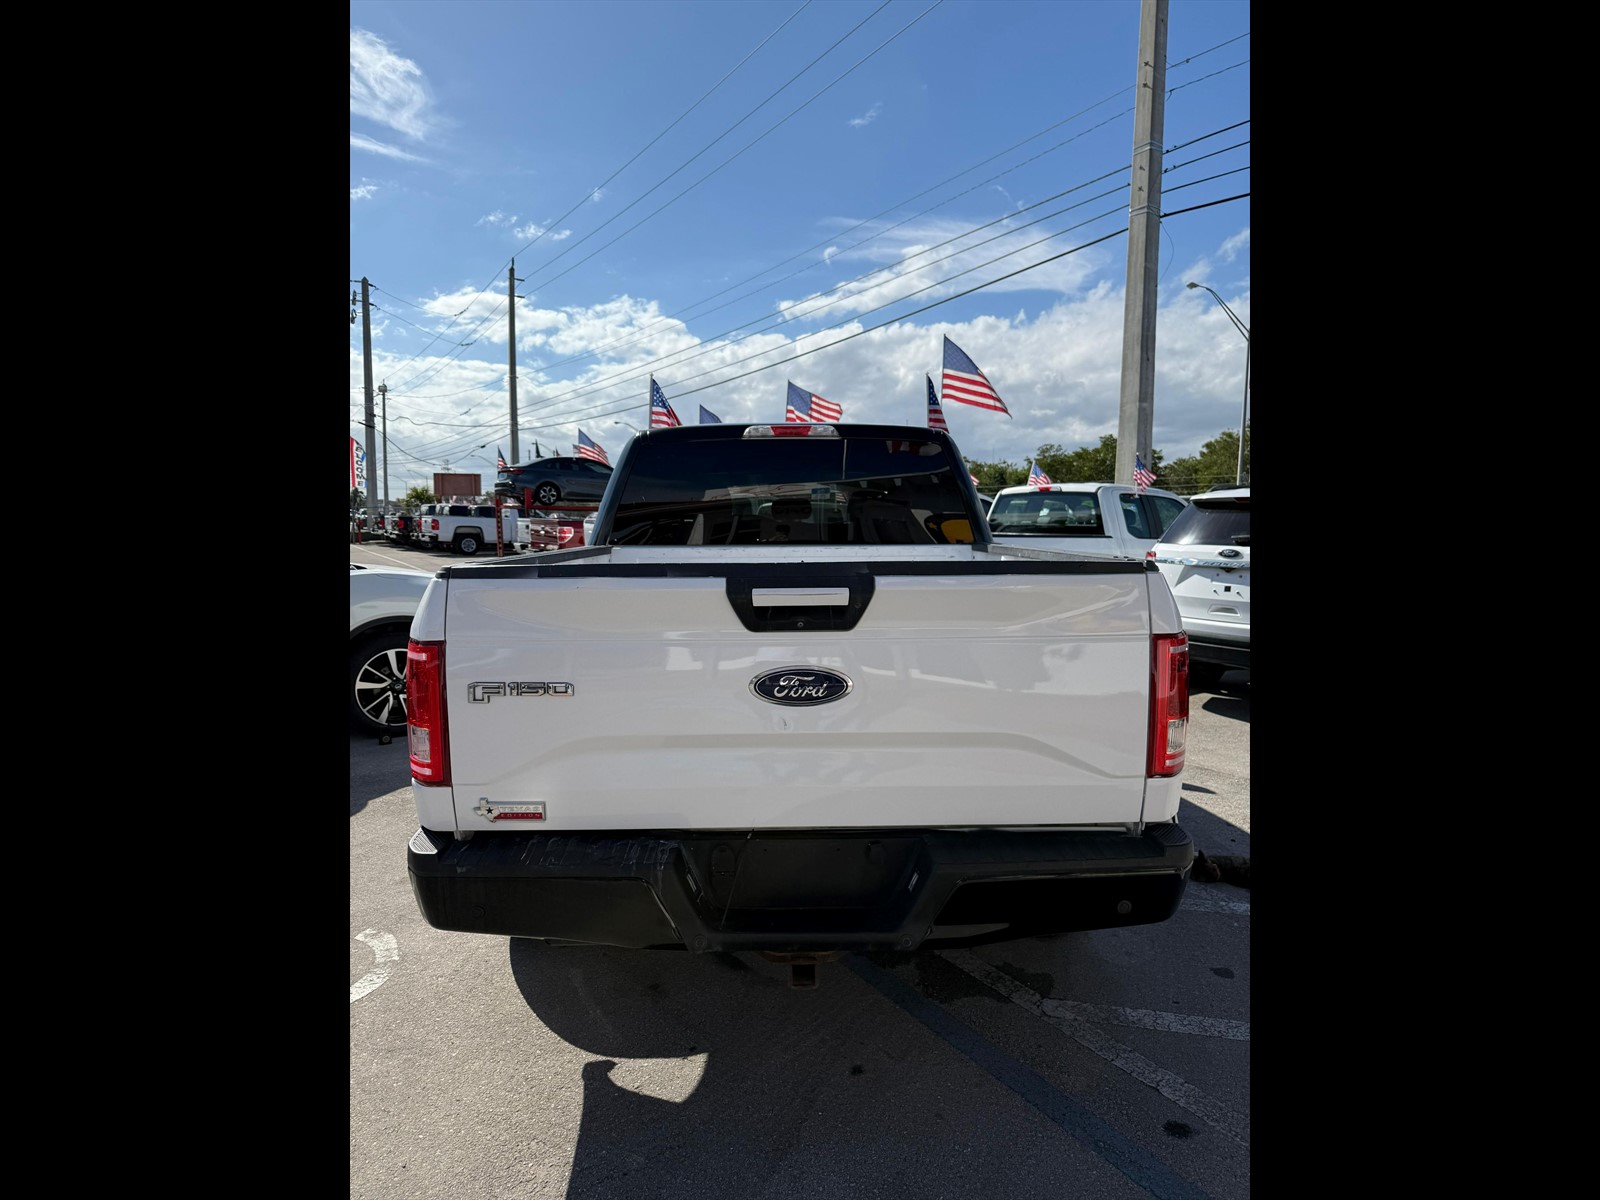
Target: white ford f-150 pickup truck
(794, 700)
(1086, 518)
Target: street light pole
(635, 428)
(1244, 410)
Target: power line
(637, 372)
(590, 388)
(590, 193)
(714, 170)
(631, 339)
(735, 156)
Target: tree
(417, 497)
(992, 476)
(358, 498)
(1217, 462)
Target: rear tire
(378, 684)
(467, 543)
(547, 494)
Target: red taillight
(564, 533)
(435, 523)
(1169, 703)
(426, 735)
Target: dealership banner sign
(358, 466)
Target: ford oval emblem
(800, 686)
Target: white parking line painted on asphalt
(1184, 1095)
(1202, 903)
(1145, 1018)
(386, 951)
(388, 558)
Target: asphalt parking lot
(1114, 1063)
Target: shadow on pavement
(376, 770)
(827, 1092)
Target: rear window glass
(1047, 514)
(1202, 525)
(809, 490)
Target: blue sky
(701, 190)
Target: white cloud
(388, 89)
(364, 192)
(1059, 369)
(1235, 245)
(497, 219)
(361, 141)
(532, 230)
(868, 117)
(596, 194)
(919, 267)
(827, 255)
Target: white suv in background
(1204, 556)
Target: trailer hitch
(802, 967)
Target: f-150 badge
(799, 686)
(482, 693)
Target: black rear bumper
(890, 889)
(1223, 654)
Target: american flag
(935, 413)
(500, 460)
(963, 381)
(976, 482)
(586, 447)
(1142, 475)
(1036, 477)
(808, 406)
(707, 417)
(661, 414)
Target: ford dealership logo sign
(801, 686)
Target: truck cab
(1107, 519)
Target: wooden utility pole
(1136, 411)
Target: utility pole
(383, 390)
(366, 347)
(511, 343)
(1136, 410)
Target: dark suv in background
(1204, 556)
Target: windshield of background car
(1203, 524)
(1047, 514)
(828, 491)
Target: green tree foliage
(1087, 464)
(417, 497)
(358, 498)
(1217, 462)
(992, 476)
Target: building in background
(447, 485)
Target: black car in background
(555, 482)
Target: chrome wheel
(547, 494)
(378, 684)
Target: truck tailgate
(973, 699)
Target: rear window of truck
(825, 491)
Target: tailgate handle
(771, 597)
(813, 602)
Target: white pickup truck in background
(1111, 519)
(794, 700)
(465, 528)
